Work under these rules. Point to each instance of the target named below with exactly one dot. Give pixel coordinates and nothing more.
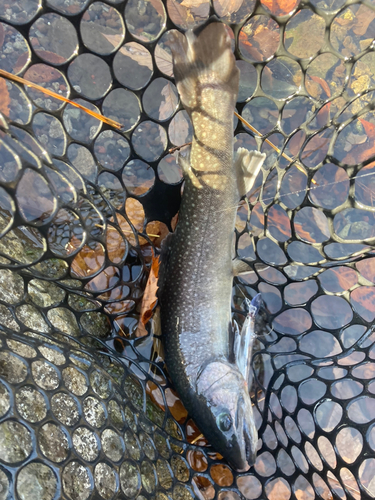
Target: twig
(177, 148)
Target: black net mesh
(86, 409)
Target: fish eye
(224, 421)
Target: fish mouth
(247, 446)
(250, 452)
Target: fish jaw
(224, 398)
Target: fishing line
(311, 188)
(305, 190)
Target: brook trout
(197, 267)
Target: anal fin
(247, 165)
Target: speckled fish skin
(196, 287)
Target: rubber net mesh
(86, 408)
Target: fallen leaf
(367, 268)
(120, 307)
(280, 7)
(363, 152)
(88, 261)
(155, 394)
(163, 60)
(322, 83)
(51, 57)
(158, 6)
(41, 73)
(169, 102)
(114, 40)
(4, 98)
(354, 140)
(181, 14)
(21, 62)
(156, 231)
(227, 7)
(115, 245)
(257, 40)
(324, 115)
(149, 297)
(137, 53)
(134, 211)
(175, 405)
(363, 19)
(369, 127)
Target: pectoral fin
(247, 165)
(184, 162)
(240, 267)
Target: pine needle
(98, 116)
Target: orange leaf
(369, 128)
(88, 261)
(322, 83)
(280, 7)
(363, 152)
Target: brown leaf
(155, 394)
(149, 296)
(41, 73)
(258, 41)
(51, 57)
(158, 6)
(156, 231)
(364, 151)
(88, 261)
(322, 83)
(138, 54)
(163, 60)
(114, 40)
(280, 7)
(227, 7)
(4, 98)
(175, 406)
(363, 19)
(134, 211)
(179, 12)
(21, 62)
(115, 245)
(169, 103)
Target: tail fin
(203, 62)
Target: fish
(197, 270)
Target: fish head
(226, 416)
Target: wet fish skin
(196, 283)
